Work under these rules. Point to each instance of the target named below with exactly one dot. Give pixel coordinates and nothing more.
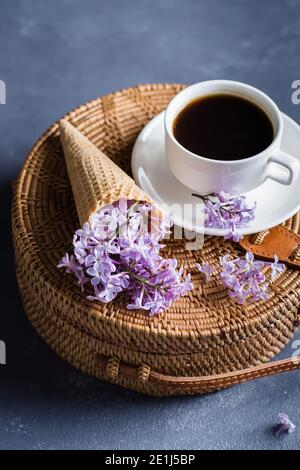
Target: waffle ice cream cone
(95, 179)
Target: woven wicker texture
(202, 334)
(95, 179)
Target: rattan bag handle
(114, 369)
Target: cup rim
(273, 145)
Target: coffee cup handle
(284, 161)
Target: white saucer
(275, 202)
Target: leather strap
(277, 241)
(219, 381)
(198, 384)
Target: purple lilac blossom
(244, 277)
(116, 251)
(284, 426)
(227, 211)
(276, 267)
(206, 269)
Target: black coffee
(223, 127)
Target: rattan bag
(204, 342)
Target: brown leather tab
(277, 241)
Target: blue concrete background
(54, 56)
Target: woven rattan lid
(45, 219)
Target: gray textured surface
(54, 56)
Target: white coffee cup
(206, 175)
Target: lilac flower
(101, 271)
(284, 426)
(115, 252)
(110, 291)
(228, 277)
(258, 277)
(225, 259)
(233, 234)
(69, 263)
(224, 197)
(206, 269)
(249, 265)
(82, 280)
(276, 267)
(243, 277)
(187, 285)
(227, 211)
(239, 292)
(261, 293)
(138, 302)
(85, 232)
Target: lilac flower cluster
(119, 250)
(227, 211)
(284, 426)
(244, 277)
